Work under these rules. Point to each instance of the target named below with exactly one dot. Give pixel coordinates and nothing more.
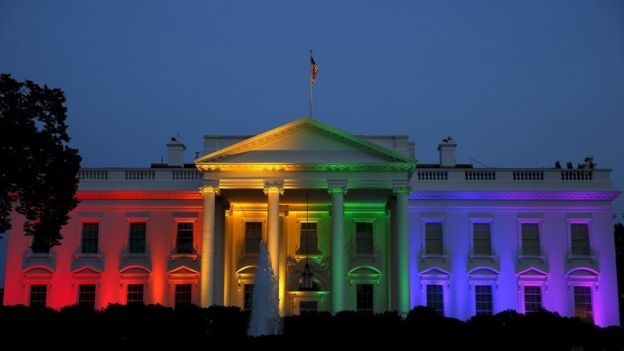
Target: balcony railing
(146, 174)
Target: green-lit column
(273, 190)
(402, 250)
(337, 189)
(207, 284)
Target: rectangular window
(137, 238)
(253, 236)
(38, 295)
(483, 299)
(248, 302)
(308, 307)
(435, 298)
(183, 295)
(532, 298)
(580, 239)
(308, 240)
(135, 294)
(184, 240)
(364, 298)
(530, 239)
(433, 239)
(90, 238)
(583, 303)
(86, 295)
(482, 244)
(364, 238)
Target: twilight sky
(516, 83)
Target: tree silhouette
(38, 170)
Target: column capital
(401, 187)
(337, 186)
(274, 185)
(210, 187)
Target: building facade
(350, 222)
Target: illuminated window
(184, 240)
(482, 243)
(435, 298)
(135, 294)
(483, 299)
(137, 238)
(364, 238)
(253, 236)
(530, 239)
(433, 239)
(364, 298)
(308, 307)
(308, 240)
(183, 295)
(248, 298)
(532, 298)
(38, 295)
(86, 295)
(90, 238)
(583, 303)
(580, 239)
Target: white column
(402, 250)
(273, 190)
(207, 282)
(337, 189)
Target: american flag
(313, 70)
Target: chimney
(447, 152)
(175, 153)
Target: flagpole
(311, 85)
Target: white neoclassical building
(351, 223)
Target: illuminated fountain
(265, 319)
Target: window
(364, 298)
(308, 307)
(435, 298)
(530, 239)
(308, 240)
(248, 298)
(433, 239)
(483, 299)
(90, 238)
(580, 239)
(482, 243)
(583, 303)
(184, 241)
(137, 238)
(364, 238)
(532, 298)
(183, 295)
(253, 236)
(135, 294)
(38, 295)
(86, 295)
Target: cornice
(516, 195)
(314, 167)
(138, 195)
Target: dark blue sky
(516, 83)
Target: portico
(313, 194)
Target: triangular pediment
(86, 271)
(533, 272)
(183, 270)
(304, 143)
